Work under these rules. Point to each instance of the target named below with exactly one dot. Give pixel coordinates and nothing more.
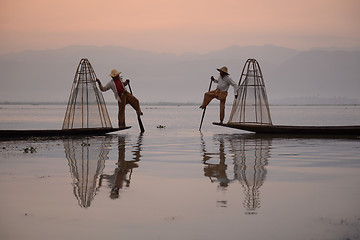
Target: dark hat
(224, 70)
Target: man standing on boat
(223, 83)
(122, 96)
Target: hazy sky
(178, 25)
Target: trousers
(127, 98)
(208, 96)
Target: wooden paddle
(142, 129)
(203, 114)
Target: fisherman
(220, 93)
(122, 96)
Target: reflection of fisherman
(122, 96)
(250, 157)
(217, 170)
(122, 174)
(220, 93)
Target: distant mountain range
(46, 76)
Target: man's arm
(213, 79)
(234, 85)
(126, 82)
(102, 88)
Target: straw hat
(224, 70)
(114, 73)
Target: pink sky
(177, 25)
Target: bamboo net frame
(251, 106)
(86, 106)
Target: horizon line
(332, 48)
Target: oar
(139, 119)
(203, 114)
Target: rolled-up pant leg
(222, 110)
(208, 96)
(121, 113)
(134, 102)
(222, 97)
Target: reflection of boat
(10, 134)
(284, 129)
(251, 111)
(86, 157)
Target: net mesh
(86, 107)
(251, 106)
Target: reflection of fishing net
(251, 106)
(86, 159)
(86, 107)
(250, 169)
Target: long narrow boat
(11, 134)
(286, 129)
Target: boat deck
(11, 134)
(286, 129)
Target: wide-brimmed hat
(114, 73)
(224, 70)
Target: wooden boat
(287, 129)
(11, 134)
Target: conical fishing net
(86, 107)
(251, 106)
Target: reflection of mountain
(250, 157)
(86, 158)
(283, 69)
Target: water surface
(178, 183)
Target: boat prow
(11, 134)
(286, 129)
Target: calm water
(179, 183)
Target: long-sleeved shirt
(111, 85)
(223, 84)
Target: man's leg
(208, 96)
(222, 110)
(121, 114)
(222, 97)
(134, 102)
